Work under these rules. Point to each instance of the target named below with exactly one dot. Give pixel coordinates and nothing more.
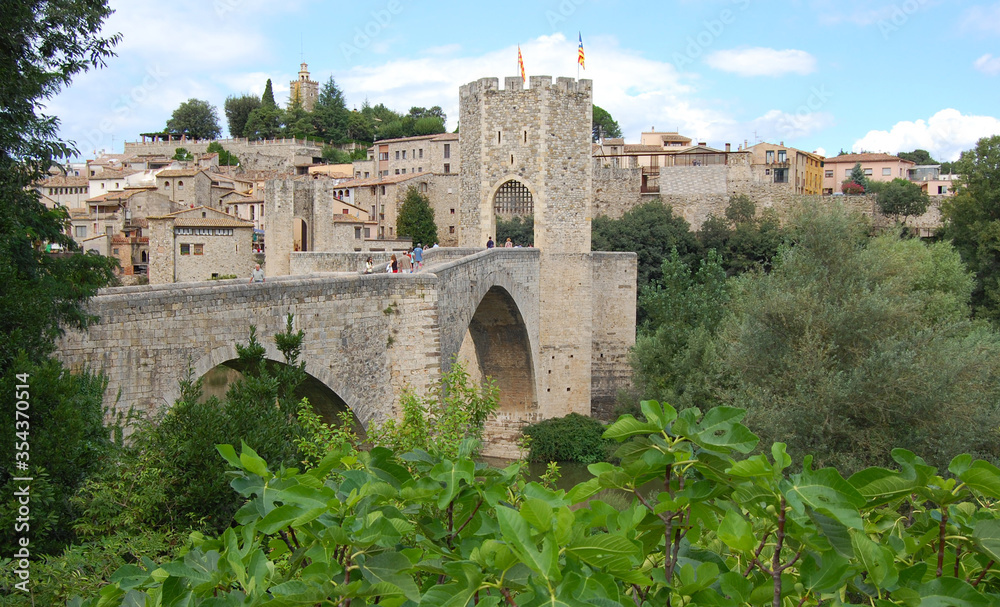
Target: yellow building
(778, 163)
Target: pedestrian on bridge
(257, 275)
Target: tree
(360, 127)
(520, 230)
(972, 222)
(743, 240)
(604, 126)
(858, 177)
(298, 122)
(901, 197)
(435, 112)
(265, 121)
(182, 154)
(267, 99)
(330, 115)
(848, 347)
(918, 156)
(238, 111)
(651, 230)
(46, 44)
(416, 218)
(428, 125)
(195, 118)
(225, 158)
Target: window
(769, 156)
(782, 155)
(421, 152)
(447, 153)
(404, 171)
(347, 194)
(453, 211)
(420, 169)
(447, 168)
(253, 212)
(868, 171)
(199, 249)
(373, 211)
(383, 155)
(499, 138)
(847, 172)
(397, 154)
(81, 231)
(397, 171)
(366, 174)
(404, 154)
(451, 229)
(828, 174)
(368, 232)
(180, 185)
(357, 233)
(185, 249)
(780, 175)
(383, 190)
(345, 212)
(886, 172)
(942, 189)
(114, 251)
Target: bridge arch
(497, 344)
(227, 353)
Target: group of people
(408, 262)
(490, 244)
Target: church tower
(304, 90)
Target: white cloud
(982, 18)
(988, 64)
(945, 135)
(760, 61)
(820, 151)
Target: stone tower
(530, 149)
(304, 89)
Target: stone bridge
(369, 337)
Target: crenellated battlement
(515, 84)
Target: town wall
(616, 190)
(269, 155)
(614, 307)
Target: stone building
(304, 90)
(801, 171)
(70, 192)
(409, 155)
(198, 244)
(190, 187)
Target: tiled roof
(63, 181)
(856, 158)
(438, 137)
(389, 180)
(615, 141)
(180, 172)
(638, 147)
(119, 196)
(114, 174)
(213, 219)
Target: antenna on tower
(302, 49)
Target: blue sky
(822, 75)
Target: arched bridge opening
(497, 345)
(323, 399)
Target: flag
(520, 63)
(579, 57)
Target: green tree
(265, 121)
(298, 122)
(46, 44)
(902, 198)
(673, 351)
(428, 125)
(330, 115)
(195, 118)
(267, 98)
(847, 348)
(360, 127)
(416, 218)
(435, 112)
(744, 240)
(604, 126)
(972, 222)
(238, 110)
(858, 177)
(651, 230)
(182, 154)
(520, 230)
(225, 158)
(918, 156)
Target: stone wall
(271, 155)
(616, 190)
(614, 307)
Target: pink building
(877, 167)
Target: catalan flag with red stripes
(580, 58)
(520, 64)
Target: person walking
(405, 266)
(256, 275)
(508, 244)
(393, 264)
(369, 265)
(418, 258)
(489, 242)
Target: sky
(818, 75)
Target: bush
(573, 438)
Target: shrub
(573, 438)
